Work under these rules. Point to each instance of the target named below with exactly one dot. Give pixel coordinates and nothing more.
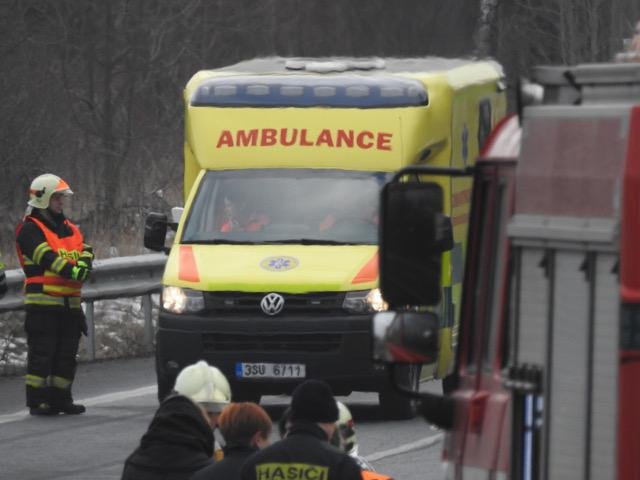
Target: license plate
(270, 370)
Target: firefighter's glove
(79, 274)
(86, 259)
(83, 264)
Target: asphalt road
(120, 399)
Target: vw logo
(272, 303)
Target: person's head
(245, 424)
(48, 191)
(312, 401)
(207, 387)
(234, 208)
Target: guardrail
(121, 277)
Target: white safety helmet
(346, 428)
(347, 441)
(43, 187)
(205, 385)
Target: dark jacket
(229, 467)
(304, 454)
(178, 443)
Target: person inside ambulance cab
(356, 213)
(239, 217)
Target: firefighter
(179, 440)
(3, 280)
(56, 262)
(305, 452)
(344, 438)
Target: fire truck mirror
(405, 337)
(155, 231)
(413, 236)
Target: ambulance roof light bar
(305, 90)
(329, 66)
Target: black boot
(62, 401)
(72, 408)
(43, 409)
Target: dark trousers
(52, 337)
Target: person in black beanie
(306, 452)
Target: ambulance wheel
(396, 405)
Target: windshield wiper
(219, 241)
(309, 241)
(289, 241)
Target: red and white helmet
(43, 187)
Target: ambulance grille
(293, 342)
(242, 303)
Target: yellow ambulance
(273, 273)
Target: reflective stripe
(40, 250)
(187, 266)
(59, 382)
(55, 291)
(58, 264)
(369, 272)
(291, 471)
(50, 300)
(53, 280)
(55, 285)
(35, 381)
(86, 253)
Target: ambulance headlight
(182, 300)
(365, 301)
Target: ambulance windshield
(286, 206)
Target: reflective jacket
(48, 250)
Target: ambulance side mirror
(155, 232)
(413, 235)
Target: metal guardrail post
(91, 332)
(148, 321)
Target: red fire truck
(548, 363)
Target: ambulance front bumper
(336, 349)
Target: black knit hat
(313, 401)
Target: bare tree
(92, 90)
